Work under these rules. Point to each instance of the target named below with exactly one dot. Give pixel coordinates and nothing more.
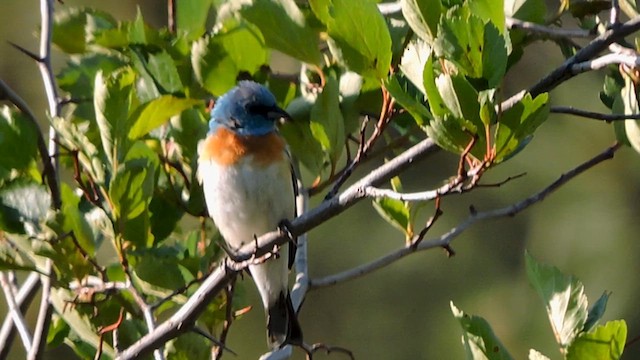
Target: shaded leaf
(18, 138)
(478, 338)
(74, 220)
(527, 10)
(409, 102)
(23, 206)
(164, 71)
(73, 27)
(327, 123)
(596, 312)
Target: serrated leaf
(423, 16)
(112, 99)
(478, 338)
(605, 342)
(284, 28)
(73, 28)
(327, 123)
(364, 40)
(563, 297)
(78, 78)
(596, 312)
(157, 112)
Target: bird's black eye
(258, 109)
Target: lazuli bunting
(249, 189)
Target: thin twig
(550, 32)
(444, 241)
(593, 115)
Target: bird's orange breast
(227, 148)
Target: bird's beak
(278, 114)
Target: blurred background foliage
(588, 228)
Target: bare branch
(446, 239)
(44, 318)
(14, 312)
(593, 115)
(23, 299)
(513, 23)
(565, 72)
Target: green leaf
(164, 71)
(75, 221)
(283, 26)
(18, 138)
(217, 60)
(476, 47)
(490, 10)
(478, 338)
(527, 10)
(188, 129)
(302, 142)
(401, 95)
(327, 123)
(517, 125)
(436, 103)
(112, 99)
(78, 78)
(423, 16)
(157, 112)
(395, 212)
(72, 27)
(605, 342)
(132, 186)
(191, 17)
(23, 206)
(596, 311)
(187, 347)
(364, 40)
(563, 297)
(149, 266)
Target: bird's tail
(282, 323)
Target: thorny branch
(445, 240)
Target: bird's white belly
(246, 201)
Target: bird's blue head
(247, 109)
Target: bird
(249, 187)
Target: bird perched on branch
(249, 189)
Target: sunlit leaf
(191, 17)
(23, 205)
(157, 112)
(563, 297)
(423, 16)
(364, 40)
(604, 342)
(284, 28)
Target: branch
(22, 299)
(593, 115)
(565, 72)
(184, 318)
(446, 239)
(14, 312)
(551, 32)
